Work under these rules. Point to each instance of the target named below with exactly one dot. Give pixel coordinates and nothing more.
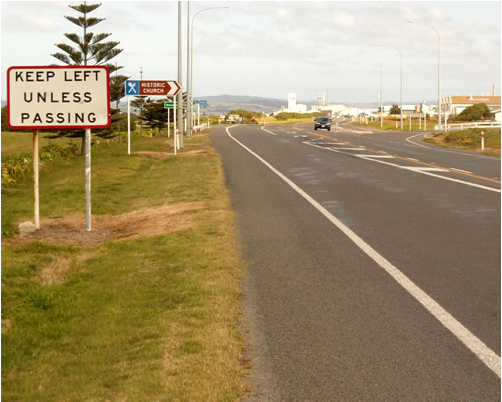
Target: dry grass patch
(166, 155)
(6, 324)
(54, 273)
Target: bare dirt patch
(130, 225)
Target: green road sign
(170, 105)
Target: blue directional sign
(132, 87)
(201, 102)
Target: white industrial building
(455, 104)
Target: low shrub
(54, 152)
(15, 169)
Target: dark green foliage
(139, 103)
(117, 87)
(477, 112)
(395, 110)
(90, 49)
(154, 113)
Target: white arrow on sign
(175, 88)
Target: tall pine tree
(90, 49)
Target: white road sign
(58, 97)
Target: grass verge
(151, 318)
(468, 139)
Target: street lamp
(400, 55)
(190, 63)
(439, 67)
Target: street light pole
(190, 77)
(439, 67)
(188, 109)
(381, 96)
(180, 74)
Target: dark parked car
(322, 122)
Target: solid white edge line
(475, 345)
(264, 129)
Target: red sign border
(58, 127)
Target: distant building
(424, 108)
(497, 114)
(235, 118)
(291, 101)
(455, 104)
(410, 109)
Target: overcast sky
(265, 48)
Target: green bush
(53, 152)
(15, 169)
(395, 110)
(475, 113)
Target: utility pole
(189, 100)
(180, 75)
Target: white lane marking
(412, 169)
(460, 170)
(413, 159)
(424, 169)
(374, 156)
(462, 182)
(349, 149)
(414, 143)
(475, 345)
(270, 132)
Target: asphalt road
(371, 273)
